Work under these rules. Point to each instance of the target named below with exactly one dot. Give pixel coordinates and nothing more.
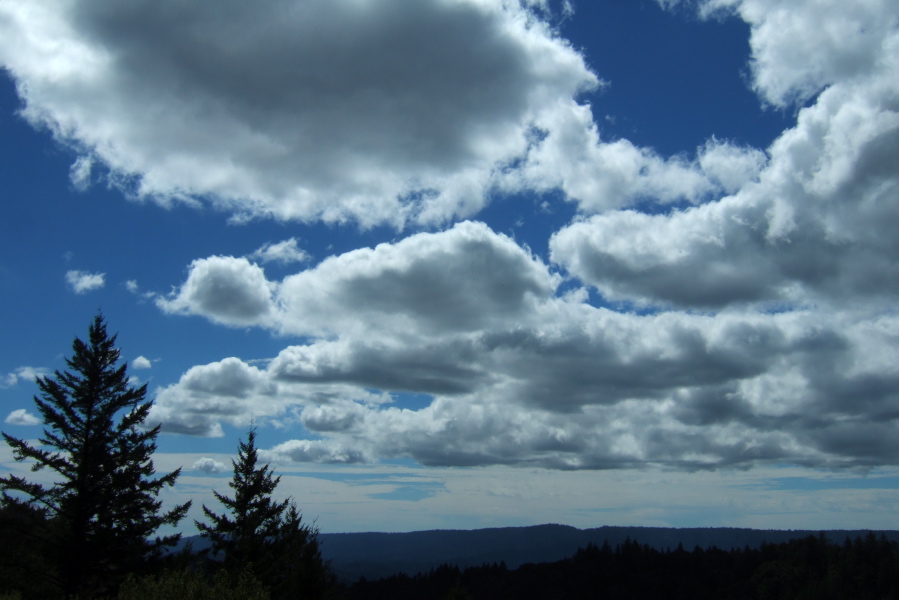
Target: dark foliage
(808, 568)
(93, 526)
(187, 584)
(262, 535)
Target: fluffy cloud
(404, 111)
(82, 282)
(816, 224)
(801, 47)
(601, 176)
(229, 389)
(285, 252)
(208, 465)
(22, 374)
(433, 280)
(227, 290)
(141, 362)
(518, 374)
(328, 109)
(773, 335)
(22, 417)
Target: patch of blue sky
(811, 484)
(411, 400)
(377, 478)
(529, 218)
(411, 493)
(670, 88)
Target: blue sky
(472, 263)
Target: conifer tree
(266, 536)
(104, 506)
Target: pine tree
(263, 535)
(104, 507)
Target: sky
(472, 263)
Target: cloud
(285, 252)
(228, 389)
(601, 176)
(314, 452)
(461, 278)
(22, 417)
(800, 48)
(141, 362)
(516, 373)
(393, 111)
(209, 466)
(766, 278)
(227, 290)
(814, 223)
(22, 374)
(400, 112)
(82, 282)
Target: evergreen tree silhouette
(104, 506)
(266, 536)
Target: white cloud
(519, 375)
(229, 388)
(141, 362)
(208, 465)
(396, 117)
(460, 278)
(777, 339)
(314, 452)
(80, 173)
(285, 252)
(385, 112)
(227, 290)
(82, 282)
(22, 417)
(815, 223)
(23, 374)
(799, 47)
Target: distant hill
(377, 555)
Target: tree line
(810, 568)
(93, 533)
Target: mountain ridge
(374, 555)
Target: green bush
(189, 585)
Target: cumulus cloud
(260, 109)
(22, 417)
(141, 362)
(814, 223)
(205, 394)
(285, 252)
(771, 335)
(601, 176)
(591, 388)
(22, 374)
(231, 291)
(519, 374)
(461, 278)
(397, 112)
(82, 282)
(800, 48)
(209, 466)
(314, 451)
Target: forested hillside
(812, 567)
